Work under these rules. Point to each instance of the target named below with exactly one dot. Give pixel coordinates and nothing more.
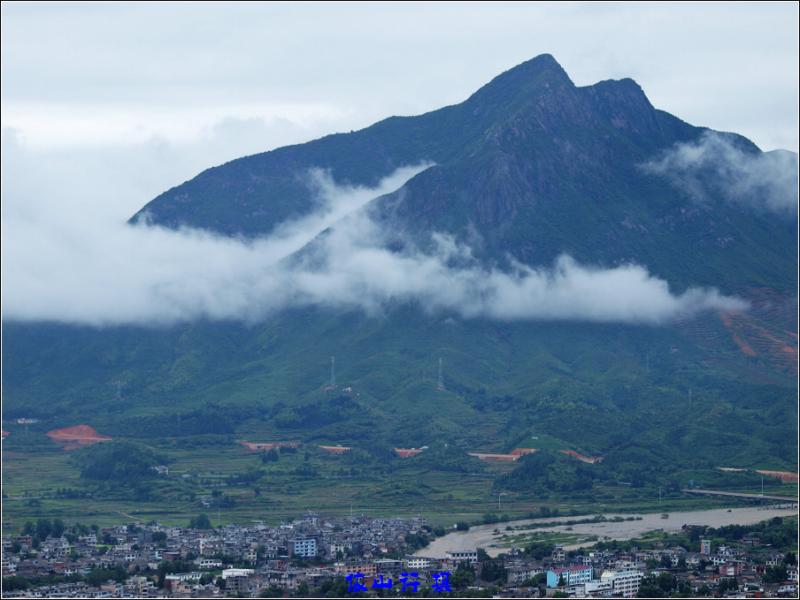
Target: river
(484, 536)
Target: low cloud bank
(764, 181)
(68, 267)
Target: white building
(9, 564)
(571, 576)
(304, 547)
(467, 557)
(418, 562)
(775, 560)
(597, 588)
(193, 576)
(208, 563)
(250, 555)
(337, 547)
(226, 573)
(623, 583)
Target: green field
(543, 537)
(41, 480)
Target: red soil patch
(495, 457)
(743, 345)
(763, 335)
(784, 476)
(582, 457)
(72, 438)
(266, 446)
(524, 451)
(335, 449)
(407, 452)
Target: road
(787, 499)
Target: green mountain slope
(600, 388)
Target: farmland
(216, 475)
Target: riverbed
(488, 536)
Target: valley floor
(233, 485)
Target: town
(339, 556)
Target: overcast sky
(222, 80)
(95, 73)
(105, 105)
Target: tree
(43, 528)
(118, 461)
(58, 528)
(666, 581)
(200, 522)
(775, 574)
(99, 576)
(493, 571)
(302, 590)
(790, 559)
(539, 550)
(271, 456)
(15, 582)
(416, 540)
(722, 586)
(173, 566)
(650, 591)
(159, 536)
(463, 577)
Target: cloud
(716, 164)
(358, 271)
(74, 263)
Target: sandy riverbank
(483, 536)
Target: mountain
(527, 168)
(535, 165)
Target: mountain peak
(540, 74)
(542, 63)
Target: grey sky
(81, 73)
(106, 105)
